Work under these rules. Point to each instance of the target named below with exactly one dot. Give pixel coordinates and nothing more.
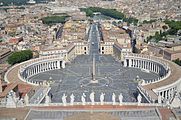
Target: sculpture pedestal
(94, 81)
(102, 103)
(10, 102)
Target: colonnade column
(139, 62)
(169, 96)
(136, 62)
(125, 63)
(129, 62)
(166, 94)
(144, 64)
(156, 68)
(63, 64)
(58, 64)
(133, 62)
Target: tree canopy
(54, 19)
(174, 27)
(177, 61)
(20, 56)
(113, 13)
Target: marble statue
(92, 97)
(137, 77)
(102, 98)
(11, 102)
(20, 103)
(47, 99)
(83, 99)
(14, 96)
(113, 99)
(26, 99)
(72, 98)
(139, 98)
(120, 99)
(64, 99)
(159, 99)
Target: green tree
(174, 26)
(177, 61)
(54, 19)
(113, 13)
(20, 56)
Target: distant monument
(92, 97)
(120, 99)
(64, 99)
(72, 98)
(139, 98)
(83, 99)
(102, 98)
(113, 99)
(94, 71)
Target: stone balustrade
(99, 103)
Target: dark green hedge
(20, 56)
(54, 19)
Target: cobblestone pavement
(111, 76)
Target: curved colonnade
(165, 86)
(25, 70)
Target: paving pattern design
(111, 75)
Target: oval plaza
(93, 77)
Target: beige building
(169, 52)
(73, 41)
(119, 51)
(115, 41)
(68, 52)
(4, 53)
(106, 47)
(75, 31)
(172, 53)
(81, 48)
